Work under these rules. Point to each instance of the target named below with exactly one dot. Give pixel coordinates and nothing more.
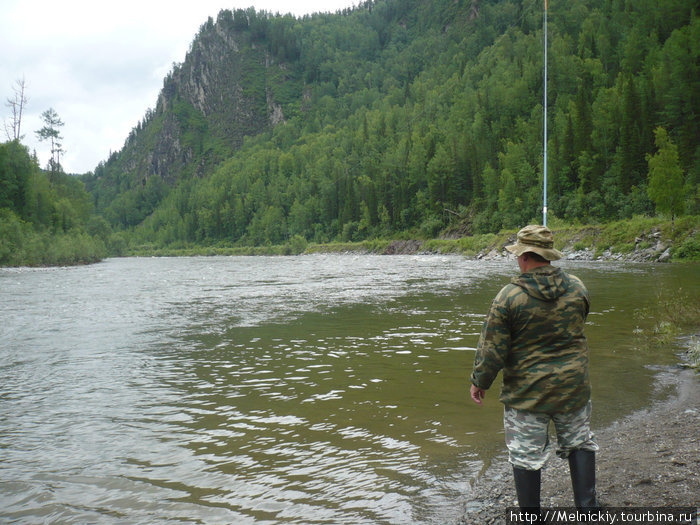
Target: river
(313, 389)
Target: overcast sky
(100, 65)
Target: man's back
(547, 365)
(534, 332)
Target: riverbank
(649, 459)
(641, 239)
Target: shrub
(297, 245)
(431, 227)
(689, 249)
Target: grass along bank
(675, 323)
(637, 239)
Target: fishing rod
(544, 194)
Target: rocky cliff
(226, 89)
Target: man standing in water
(534, 333)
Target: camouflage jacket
(534, 333)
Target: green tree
(15, 170)
(665, 176)
(631, 155)
(43, 222)
(677, 82)
(441, 179)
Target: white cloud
(101, 65)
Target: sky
(100, 64)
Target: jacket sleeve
(583, 292)
(494, 343)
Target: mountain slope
(401, 115)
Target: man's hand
(477, 394)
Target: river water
(313, 389)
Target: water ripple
(316, 389)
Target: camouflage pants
(527, 435)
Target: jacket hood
(544, 282)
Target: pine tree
(51, 132)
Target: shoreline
(646, 247)
(638, 239)
(650, 458)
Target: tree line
(46, 216)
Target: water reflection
(357, 415)
(323, 389)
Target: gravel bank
(651, 458)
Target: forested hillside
(403, 117)
(46, 218)
(392, 119)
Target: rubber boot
(527, 487)
(582, 467)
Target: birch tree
(666, 176)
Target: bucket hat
(537, 239)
